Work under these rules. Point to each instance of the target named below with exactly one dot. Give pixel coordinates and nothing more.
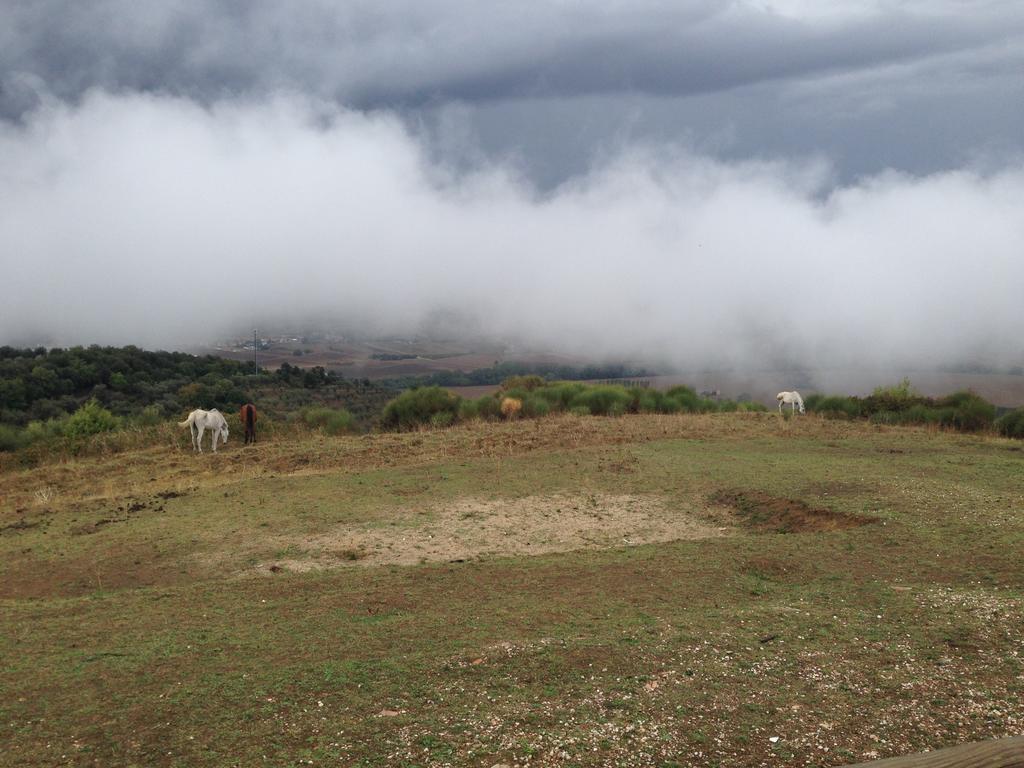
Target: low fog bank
(153, 221)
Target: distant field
(731, 589)
(355, 359)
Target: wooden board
(1000, 753)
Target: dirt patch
(170, 494)
(764, 513)
(122, 514)
(472, 528)
(19, 525)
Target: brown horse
(248, 414)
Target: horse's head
(224, 432)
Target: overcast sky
(700, 182)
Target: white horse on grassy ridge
(791, 399)
(199, 421)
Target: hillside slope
(648, 590)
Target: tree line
(42, 384)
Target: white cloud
(151, 220)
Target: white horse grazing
(791, 399)
(199, 421)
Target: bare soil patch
(471, 528)
(764, 513)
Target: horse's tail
(187, 422)
(250, 416)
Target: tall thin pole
(255, 351)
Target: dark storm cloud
(374, 54)
(555, 86)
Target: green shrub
(646, 400)
(897, 398)
(969, 411)
(487, 408)
(44, 430)
(535, 407)
(469, 410)
(604, 400)
(685, 399)
(922, 414)
(540, 398)
(1011, 424)
(560, 395)
(91, 419)
(316, 416)
(11, 438)
(150, 416)
(901, 391)
(341, 422)
(417, 407)
(642, 400)
(329, 420)
(900, 404)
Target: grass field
(729, 589)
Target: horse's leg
(213, 440)
(192, 431)
(199, 440)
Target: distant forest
(40, 384)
